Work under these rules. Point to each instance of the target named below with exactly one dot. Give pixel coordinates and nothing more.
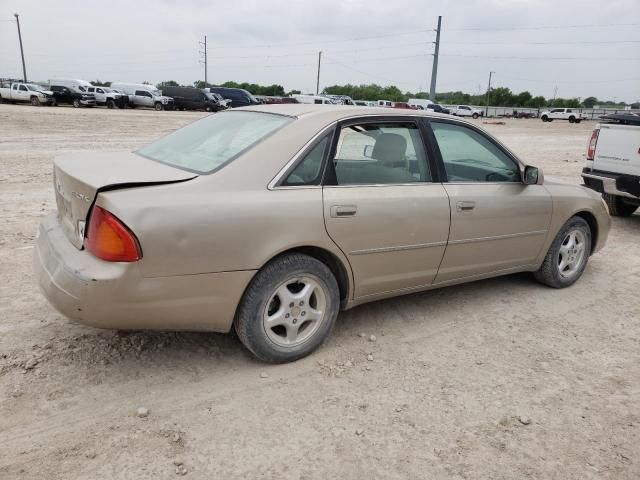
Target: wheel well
(593, 225)
(330, 260)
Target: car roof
(337, 112)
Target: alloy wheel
(295, 311)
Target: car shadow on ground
(88, 349)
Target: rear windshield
(210, 143)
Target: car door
(497, 222)
(384, 206)
(23, 93)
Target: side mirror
(368, 151)
(532, 176)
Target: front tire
(76, 103)
(567, 256)
(618, 207)
(35, 102)
(475, 115)
(545, 118)
(288, 309)
(158, 106)
(111, 104)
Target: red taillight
(109, 239)
(591, 151)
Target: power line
(322, 42)
(540, 58)
(549, 27)
(607, 42)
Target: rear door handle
(341, 211)
(465, 205)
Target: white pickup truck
(571, 114)
(465, 111)
(24, 92)
(613, 163)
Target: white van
(143, 95)
(385, 103)
(72, 84)
(315, 99)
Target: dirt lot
(499, 379)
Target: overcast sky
(363, 41)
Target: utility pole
(434, 69)
(555, 92)
(24, 68)
(486, 108)
(318, 79)
(204, 53)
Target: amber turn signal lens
(109, 239)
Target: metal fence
(591, 113)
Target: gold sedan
(271, 219)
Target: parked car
(404, 105)
(314, 99)
(436, 107)
(108, 97)
(571, 114)
(143, 95)
(237, 96)
(223, 102)
(341, 99)
(466, 111)
(385, 103)
(613, 163)
(365, 103)
(420, 103)
(240, 220)
(68, 96)
(24, 92)
(190, 98)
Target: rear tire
(288, 309)
(567, 256)
(572, 119)
(617, 206)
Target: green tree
(168, 83)
(536, 102)
(501, 96)
(589, 102)
(522, 99)
(99, 83)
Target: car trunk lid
(78, 178)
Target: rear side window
(309, 170)
(380, 154)
(210, 143)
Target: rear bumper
(115, 295)
(627, 186)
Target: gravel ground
(498, 379)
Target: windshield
(155, 92)
(210, 143)
(33, 88)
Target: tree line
(499, 96)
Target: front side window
(309, 170)
(380, 154)
(210, 143)
(469, 156)
(23, 88)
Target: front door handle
(341, 211)
(465, 206)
